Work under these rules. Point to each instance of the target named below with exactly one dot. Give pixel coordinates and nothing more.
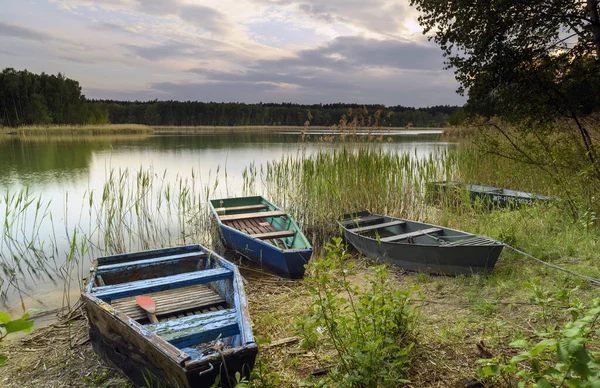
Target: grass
(57, 130)
(460, 319)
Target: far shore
(129, 129)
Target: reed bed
(95, 129)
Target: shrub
(367, 331)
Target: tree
(535, 64)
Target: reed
(99, 129)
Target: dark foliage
(27, 98)
(196, 113)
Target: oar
(148, 304)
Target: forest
(42, 99)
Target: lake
(59, 178)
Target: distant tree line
(27, 98)
(31, 99)
(194, 113)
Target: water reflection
(64, 171)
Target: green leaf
(4, 317)
(3, 359)
(19, 325)
(521, 343)
(543, 383)
(541, 346)
(519, 358)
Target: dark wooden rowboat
(264, 233)
(204, 327)
(417, 246)
(494, 196)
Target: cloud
(215, 91)
(174, 49)
(352, 52)
(385, 17)
(208, 19)
(15, 31)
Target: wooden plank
(247, 216)
(172, 301)
(130, 265)
(140, 287)
(278, 234)
(197, 329)
(223, 210)
(411, 234)
(147, 254)
(377, 226)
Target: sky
(305, 51)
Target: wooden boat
(203, 328)
(494, 196)
(266, 234)
(417, 246)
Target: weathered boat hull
(416, 246)
(492, 196)
(141, 351)
(286, 256)
(430, 259)
(285, 263)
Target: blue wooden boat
(203, 330)
(267, 235)
(493, 196)
(416, 246)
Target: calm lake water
(63, 171)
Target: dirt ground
(450, 336)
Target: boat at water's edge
(494, 196)
(261, 231)
(204, 329)
(416, 246)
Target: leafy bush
(12, 326)
(554, 356)
(368, 332)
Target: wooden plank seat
(411, 234)
(276, 234)
(474, 240)
(143, 255)
(140, 287)
(223, 210)
(197, 329)
(361, 220)
(247, 216)
(376, 226)
(131, 265)
(196, 297)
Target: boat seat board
(196, 297)
(277, 234)
(247, 216)
(197, 329)
(223, 210)
(147, 262)
(377, 226)
(253, 226)
(141, 287)
(474, 240)
(361, 220)
(411, 234)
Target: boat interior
(389, 229)
(193, 292)
(260, 219)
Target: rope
(589, 279)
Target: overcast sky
(305, 51)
